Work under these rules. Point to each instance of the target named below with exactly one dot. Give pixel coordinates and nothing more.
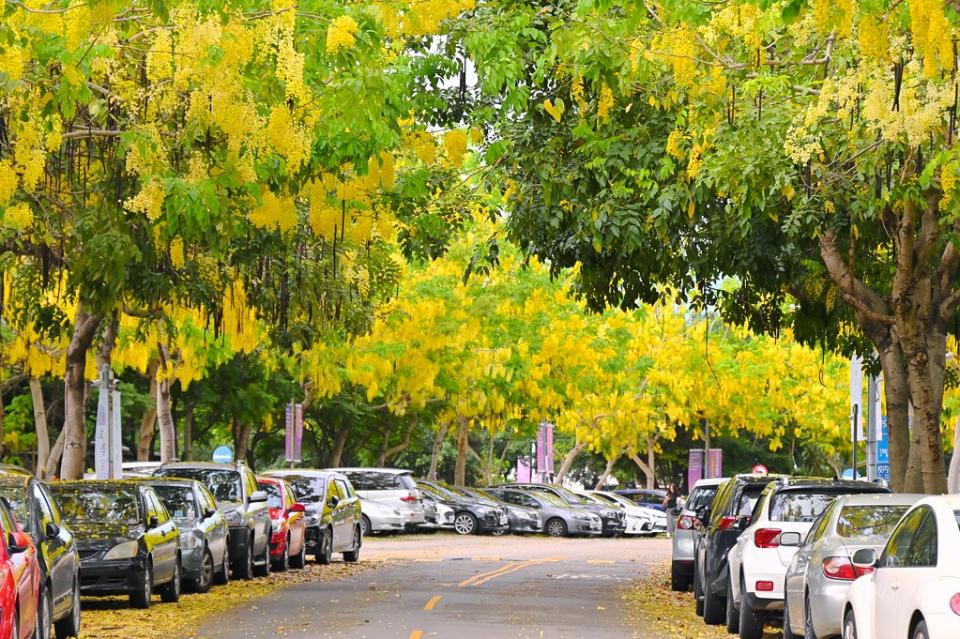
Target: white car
(640, 519)
(393, 487)
(379, 517)
(758, 563)
(914, 589)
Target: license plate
(595, 525)
(503, 520)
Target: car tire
(787, 630)
(299, 560)
(202, 584)
(732, 615)
(16, 621)
(44, 614)
(244, 569)
(555, 527)
(751, 626)
(365, 526)
(808, 631)
(352, 556)
(325, 551)
(849, 625)
(263, 570)
(678, 581)
(920, 631)
(69, 626)
(141, 598)
(222, 577)
(465, 524)
(697, 592)
(170, 592)
(283, 563)
(713, 608)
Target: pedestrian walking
(670, 506)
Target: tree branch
(854, 291)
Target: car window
(799, 506)
(606, 498)
(6, 520)
(152, 510)
(274, 498)
(288, 498)
(700, 497)
(820, 525)
(180, 501)
(372, 480)
(923, 550)
(720, 501)
(748, 499)
(250, 481)
(306, 489)
(224, 484)
(342, 487)
(895, 553)
(206, 499)
(868, 521)
(98, 504)
(46, 511)
(48, 499)
(349, 486)
(16, 496)
(163, 515)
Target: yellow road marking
(467, 582)
(513, 566)
(601, 562)
(433, 602)
(416, 634)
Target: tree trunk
(567, 462)
(913, 475)
(463, 436)
(339, 445)
(646, 469)
(188, 431)
(897, 395)
(393, 451)
(40, 420)
(75, 441)
(148, 421)
(168, 432)
(241, 439)
(56, 453)
(606, 472)
(437, 449)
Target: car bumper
(683, 567)
(586, 528)
(387, 524)
(278, 542)
(239, 540)
(683, 545)
(614, 526)
(111, 577)
(497, 523)
(826, 607)
(763, 604)
(525, 526)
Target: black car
(725, 518)
(127, 541)
(472, 515)
(34, 508)
(522, 519)
(243, 505)
(614, 518)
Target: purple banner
(288, 432)
(715, 462)
(298, 432)
(694, 467)
(524, 472)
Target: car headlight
(583, 516)
(610, 514)
(126, 550)
(189, 541)
(233, 518)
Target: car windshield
(179, 501)
(224, 484)
(307, 489)
(868, 521)
(274, 498)
(799, 506)
(748, 499)
(377, 480)
(17, 497)
(553, 499)
(98, 504)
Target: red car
(288, 542)
(20, 579)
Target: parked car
(473, 514)
(822, 570)
(333, 509)
(688, 526)
(640, 520)
(913, 589)
(390, 486)
(20, 580)
(204, 549)
(38, 515)
(288, 541)
(128, 542)
(613, 518)
(649, 497)
(380, 518)
(521, 519)
(438, 514)
(244, 506)
(560, 519)
(758, 563)
(726, 517)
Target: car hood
(97, 535)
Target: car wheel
(222, 577)
(244, 569)
(678, 581)
(365, 527)
(713, 607)
(697, 592)
(203, 583)
(751, 626)
(849, 625)
(556, 528)
(299, 560)
(325, 552)
(70, 625)
(787, 630)
(920, 632)
(465, 524)
(44, 615)
(733, 617)
(808, 632)
(170, 592)
(352, 556)
(141, 597)
(283, 563)
(263, 570)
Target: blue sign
(883, 451)
(223, 455)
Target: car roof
(95, 483)
(282, 473)
(951, 501)
(393, 471)
(881, 499)
(15, 480)
(801, 483)
(200, 464)
(709, 483)
(165, 481)
(13, 469)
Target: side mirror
(51, 530)
(334, 501)
(865, 559)
(258, 497)
(298, 508)
(17, 542)
(154, 522)
(790, 539)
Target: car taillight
(409, 499)
(686, 522)
(728, 522)
(764, 586)
(839, 568)
(276, 513)
(766, 537)
(955, 604)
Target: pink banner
(715, 462)
(288, 432)
(694, 467)
(298, 432)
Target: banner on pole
(298, 432)
(101, 454)
(715, 462)
(288, 433)
(856, 397)
(524, 471)
(883, 451)
(694, 466)
(116, 441)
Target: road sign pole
(873, 422)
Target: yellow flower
(275, 212)
(341, 34)
(176, 253)
(555, 110)
(605, 104)
(455, 143)
(18, 217)
(148, 201)
(8, 181)
(673, 144)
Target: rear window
(373, 480)
(748, 499)
(701, 497)
(799, 506)
(868, 521)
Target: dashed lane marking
(416, 634)
(433, 602)
(513, 566)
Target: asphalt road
(462, 588)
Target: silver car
(379, 517)
(391, 487)
(559, 518)
(822, 568)
(681, 567)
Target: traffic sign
(223, 455)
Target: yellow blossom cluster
(149, 201)
(455, 145)
(341, 34)
(17, 217)
(275, 213)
